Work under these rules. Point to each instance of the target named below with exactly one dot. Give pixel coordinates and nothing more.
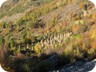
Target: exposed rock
(53, 60)
(79, 66)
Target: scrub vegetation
(31, 31)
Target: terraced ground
(33, 31)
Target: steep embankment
(33, 31)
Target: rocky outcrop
(79, 66)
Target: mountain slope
(31, 31)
